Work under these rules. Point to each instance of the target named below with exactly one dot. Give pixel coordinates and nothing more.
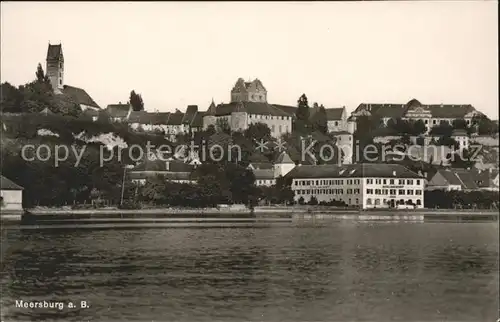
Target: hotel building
(361, 185)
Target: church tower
(55, 67)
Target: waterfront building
(168, 169)
(266, 173)
(368, 185)
(11, 195)
(452, 179)
(432, 115)
(55, 72)
(464, 180)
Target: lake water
(343, 271)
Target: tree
(222, 125)
(136, 101)
(40, 75)
(258, 132)
(443, 129)
(302, 114)
(461, 159)
(313, 201)
(319, 120)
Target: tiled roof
(284, 158)
(261, 165)
(450, 111)
(290, 110)
(198, 119)
(398, 110)
(143, 117)
(54, 52)
(257, 108)
(467, 178)
(459, 177)
(6, 184)
(383, 110)
(190, 114)
(263, 174)
(118, 110)
(333, 114)
(360, 170)
(175, 118)
(459, 132)
(79, 95)
(91, 112)
(212, 109)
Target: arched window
(369, 201)
(419, 202)
(377, 202)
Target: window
(426, 122)
(418, 182)
(377, 202)
(369, 191)
(317, 182)
(409, 182)
(280, 128)
(369, 181)
(434, 122)
(368, 201)
(60, 81)
(391, 181)
(336, 123)
(409, 192)
(401, 191)
(357, 201)
(418, 202)
(401, 181)
(385, 181)
(418, 192)
(272, 128)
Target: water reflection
(343, 271)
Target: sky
(186, 53)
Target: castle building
(249, 106)
(55, 72)
(432, 115)
(360, 185)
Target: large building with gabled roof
(55, 73)
(249, 105)
(431, 114)
(363, 185)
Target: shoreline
(245, 212)
(226, 217)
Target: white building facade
(364, 186)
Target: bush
(302, 201)
(129, 204)
(313, 201)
